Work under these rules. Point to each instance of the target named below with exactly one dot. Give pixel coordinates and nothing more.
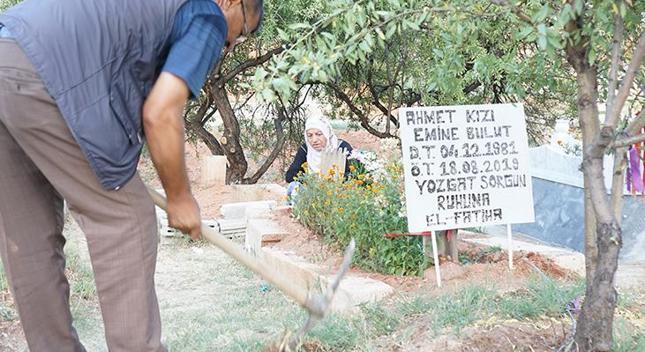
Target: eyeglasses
(245, 32)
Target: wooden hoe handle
(300, 294)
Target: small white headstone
(213, 171)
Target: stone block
(283, 210)
(352, 291)
(239, 210)
(259, 231)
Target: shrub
(365, 208)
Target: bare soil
(541, 335)
(486, 265)
(361, 139)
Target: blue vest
(98, 60)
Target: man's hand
(163, 124)
(183, 215)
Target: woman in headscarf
(319, 137)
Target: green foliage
(428, 52)
(445, 53)
(458, 310)
(543, 296)
(382, 321)
(347, 33)
(337, 334)
(454, 311)
(627, 337)
(5, 4)
(363, 209)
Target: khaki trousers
(40, 165)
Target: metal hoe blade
(321, 302)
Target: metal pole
(436, 258)
(509, 236)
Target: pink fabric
(628, 175)
(634, 171)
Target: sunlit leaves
(354, 31)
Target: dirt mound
(524, 262)
(479, 263)
(542, 335)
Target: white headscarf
(313, 156)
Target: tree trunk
(281, 140)
(230, 141)
(453, 252)
(591, 248)
(589, 124)
(595, 324)
(447, 245)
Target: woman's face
(316, 139)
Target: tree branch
(627, 141)
(211, 141)
(472, 86)
(634, 67)
(637, 124)
(361, 116)
(593, 164)
(632, 133)
(618, 182)
(619, 30)
(376, 99)
(208, 117)
(515, 9)
(199, 115)
(248, 64)
(274, 153)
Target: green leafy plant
(365, 209)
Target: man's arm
(164, 128)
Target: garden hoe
(316, 304)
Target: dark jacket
(301, 158)
(98, 60)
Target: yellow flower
(340, 210)
(352, 168)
